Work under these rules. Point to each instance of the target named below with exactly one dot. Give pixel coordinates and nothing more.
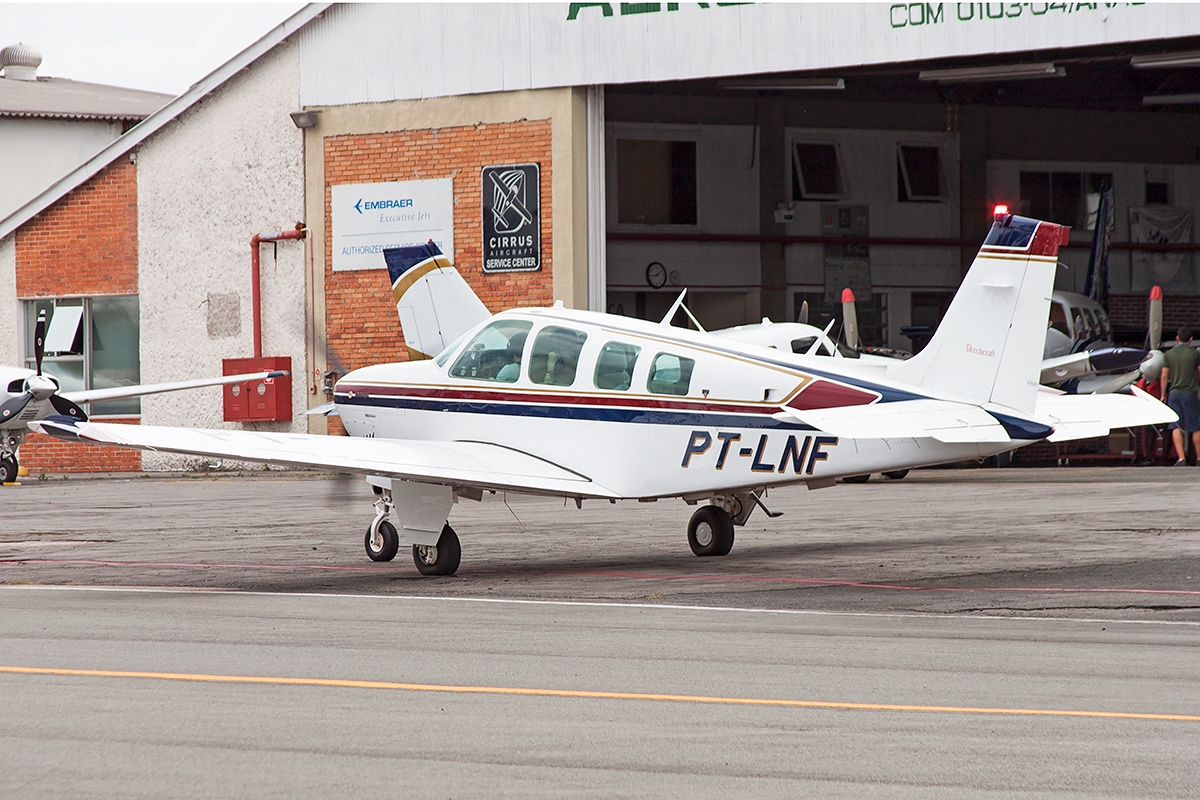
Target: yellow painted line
(574, 693)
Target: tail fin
(435, 304)
(988, 348)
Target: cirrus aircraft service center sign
(368, 217)
(512, 218)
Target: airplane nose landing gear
(382, 540)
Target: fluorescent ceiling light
(1166, 60)
(1170, 99)
(1010, 72)
(783, 84)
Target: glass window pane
(62, 331)
(115, 352)
(555, 356)
(495, 353)
(921, 172)
(614, 367)
(817, 173)
(670, 374)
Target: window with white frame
(919, 173)
(91, 343)
(816, 171)
(656, 182)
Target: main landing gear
(382, 542)
(710, 530)
(9, 442)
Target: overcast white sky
(161, 47)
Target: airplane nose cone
(40, 386)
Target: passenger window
(1058, 319)
(614, 367)
(495, 354)
(555, 356)
(670, 374)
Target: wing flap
(479, 464)
(1084, 416)
(941, 420)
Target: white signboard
(368, 217)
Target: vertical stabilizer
(988, 347)
(435, 304)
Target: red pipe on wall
(255, 294)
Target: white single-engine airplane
(586, 405)
(26, 396)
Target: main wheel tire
(8, 470)
(382, 541)
(710, 532)
(441, 559)
(896, 475)
(857, 479)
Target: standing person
(1180, 382)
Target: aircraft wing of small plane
(1085, 416)
(140, 390)
(942, 420)
(478, 464)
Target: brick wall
(1178, 310)
(45, 454)
(85, 244)
(360, 316)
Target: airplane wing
(942, 420)
(480, 464)
(138, 390)
(1083, 416)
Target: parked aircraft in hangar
(585, 405)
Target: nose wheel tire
(440, 559)
(8, 469)
(710, 532)
(382, 541)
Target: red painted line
(617, 574)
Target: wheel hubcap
(704, 534)
(376, 540)
(428, 553)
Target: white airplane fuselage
(723, 433)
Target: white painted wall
(727, 178)
(372, 52)
(10, 308)
(37, 152)
(227, 169)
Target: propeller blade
(39, 340)
(14, 405)
(802, 318)
(65, 407)
(849, 319)
(1156, 314)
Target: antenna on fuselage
(678, 304)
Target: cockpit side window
(614, 367)
(555, 356)
(1058, 319)
(495, 353)
(670, 374)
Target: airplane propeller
(802, 317)
(38, 386)
(1154, 334)
(849, 319)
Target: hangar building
(762, 154)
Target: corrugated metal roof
(62, 98)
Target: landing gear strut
(383, 541)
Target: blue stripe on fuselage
(644, 416)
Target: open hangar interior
(899, 156)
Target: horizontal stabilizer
(1084, 416)
(478, 464)
(941, 420)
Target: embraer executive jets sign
(512, 219)
(367, 217)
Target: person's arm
(1164, 382)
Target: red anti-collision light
(1001, 210)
